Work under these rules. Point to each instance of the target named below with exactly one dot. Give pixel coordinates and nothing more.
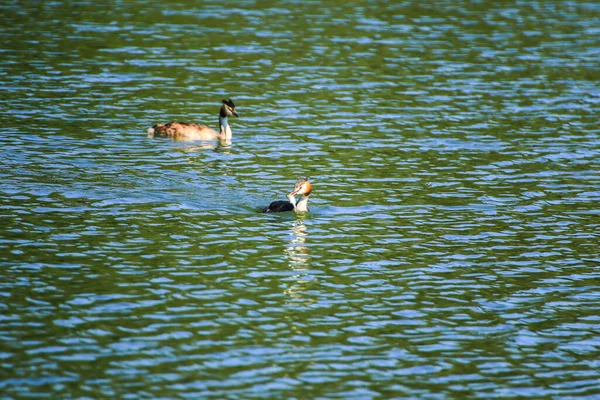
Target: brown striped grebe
(185, 131)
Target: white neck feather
(302, 205)
(292, 199)
(224, 129)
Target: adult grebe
(303, 188)
(185, 131)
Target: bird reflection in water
(221, 147)
(298, 256)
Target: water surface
(452, 247)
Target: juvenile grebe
(303, 188)
(185, 131)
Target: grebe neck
(302, 205)
(224, 128)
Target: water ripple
(451, 250)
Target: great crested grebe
(303, 188)
(185, 131)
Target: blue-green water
(452, 247)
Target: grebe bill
(186, 131)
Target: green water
(452, 246)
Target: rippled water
(452, 247)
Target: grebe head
(302, 187)
(228, 109)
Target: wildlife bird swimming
(303, 188)
(185, 131)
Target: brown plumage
(187, 131)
